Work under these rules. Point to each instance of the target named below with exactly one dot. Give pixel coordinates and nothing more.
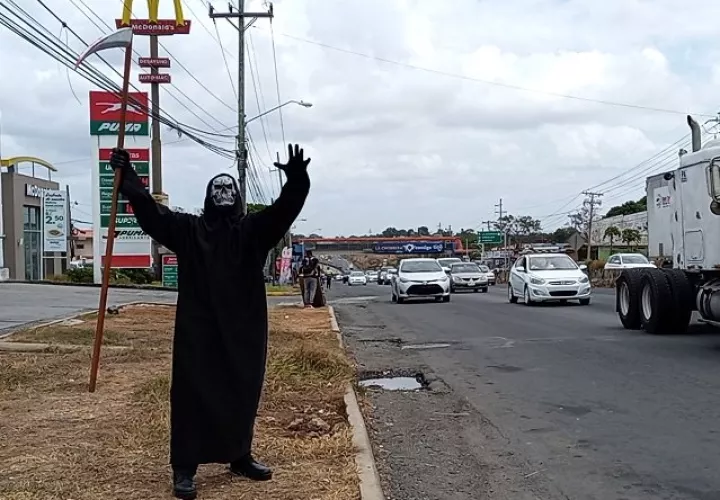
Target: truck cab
(684, 228)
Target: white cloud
(391, 145)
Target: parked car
(382, 274)
(489, 273)
(548, 277)
(420, 278)
(357, 278)
(446, 262)
(627, 261)
(467, 276)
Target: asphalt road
(543, 402)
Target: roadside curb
(370, 488)
(151, 288)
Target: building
(601, 243)
(22, 224)
(82, 245)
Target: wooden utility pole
(241, 149)
(591, 202)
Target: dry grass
(57, 442)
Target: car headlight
(584, 279)
(444, 279)
(404, 280)
(457, 278)
(537, 281)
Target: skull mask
(223, 191)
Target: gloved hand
(296, 165)
(120, 159)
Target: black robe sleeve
(160, 223)
(271, 224)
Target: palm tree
(630, 236)
(612, 233)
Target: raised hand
(296, 164)
(119, 159)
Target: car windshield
(634, 259)
(484, 269)
(448, 262)
(357, 273)
(552, 263)
(465, 268)
(392, 271)
(421, 266)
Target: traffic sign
(490, 237)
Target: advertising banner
(405, 247)
(55, 223)
(286, 266)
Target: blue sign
(409, 247)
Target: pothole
(393, 383)
(395, 380)
(425, 346)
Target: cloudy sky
(424, 112)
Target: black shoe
(249, 468)
(184, 486)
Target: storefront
(22, 206)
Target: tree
(612, 233)
(627, 208)
(390, 232)
(562, 234)
(526, 225)
(423, 231)
(630, 236)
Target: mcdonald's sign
(152, 25)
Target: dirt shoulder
(57, 441)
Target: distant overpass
(382, 245)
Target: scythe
(121, 38)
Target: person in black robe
(221, 322)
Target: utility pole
(156, 149)
(501, 213)
(591, 202)
(241, 150)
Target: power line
(277, 83)
(489, 82)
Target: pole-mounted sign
(154, 62)
(152, 25)
(151, 78)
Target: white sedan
(627, 261)
(420, 278)
(548, 277)
(357, 278)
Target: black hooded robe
(221, 323)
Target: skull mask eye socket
(223, 192)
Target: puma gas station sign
(132, 247)
(105, 113)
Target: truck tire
(627, 298)
(656, 303)
(683, 299)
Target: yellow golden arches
(153, 13)
(7, 162)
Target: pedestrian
(328, 278)
(310, 276)
(221, 323)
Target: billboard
(55, 223)
(409, 247)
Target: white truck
(684, 210)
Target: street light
(300, 103)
